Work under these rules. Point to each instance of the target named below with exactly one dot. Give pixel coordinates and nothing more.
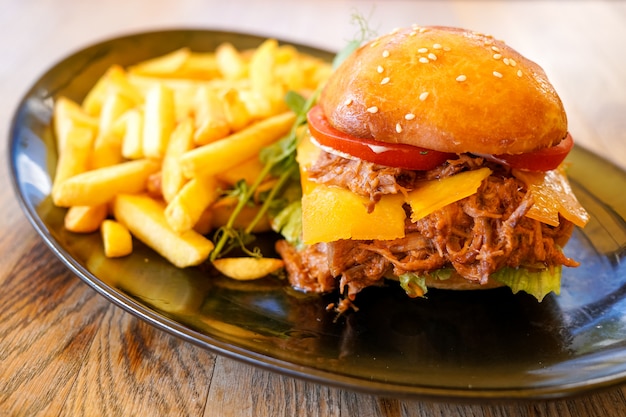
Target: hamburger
(434, 157)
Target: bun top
(445, 89)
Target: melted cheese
(435, 194)
(552, 195)
(334, 213)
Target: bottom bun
(457, 282)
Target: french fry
(92, 104)
(132, 142)
(223, 209)
(144, 83)
(107, 150)
(74, 159)
(185, 90)
(67, 114)
(181, 141)
(112, 126)
(235, 110)
(113, 106)
(289, 68)
(231, 151)
(262, 66)
(262, 73)
(85, 219)
(258, 107)
(99, 186)
(199, 66)
(210, 117)
(154, 185)
(231, 64)
(162, 66)
(248, 268)
(145, 219)
(315, 71)
(159, 119)
(184, 102)
(248, 170)
(181, 63)
(186, 208)
(204, 225)
(116, 239)
(118, 83)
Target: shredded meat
(463, 162)
(477, 235)
(361, 177)
(308, 269)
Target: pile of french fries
(149, 151)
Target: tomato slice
(421, 159)
(545, 159)
(389, 154)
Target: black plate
(487, 344)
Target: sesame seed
(432, 56)
(385, 53)
(512, 62)
(422, 50)
(348, 102)
(423, 60)
(446, 48)
(373, 44)
(412, 33)
(497, 56)
(519, 73)
(395, 30)
(495, 49)
(380, 69)
(409, 116)
(422, 30)
(424, 96)
(437, 46)
(384, 81)
(497, 74)
(461, 78)
(398, 128)
(372, 109)
(506, 61)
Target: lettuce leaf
(288, 222)
(537, 283)
(415, 285)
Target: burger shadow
(457, 328)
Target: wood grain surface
(67, 351)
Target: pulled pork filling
(476, 236)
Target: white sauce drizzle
(331, 150)
(378, 148)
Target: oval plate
(487, 344)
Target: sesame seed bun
(446, 89)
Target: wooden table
(65, 350)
